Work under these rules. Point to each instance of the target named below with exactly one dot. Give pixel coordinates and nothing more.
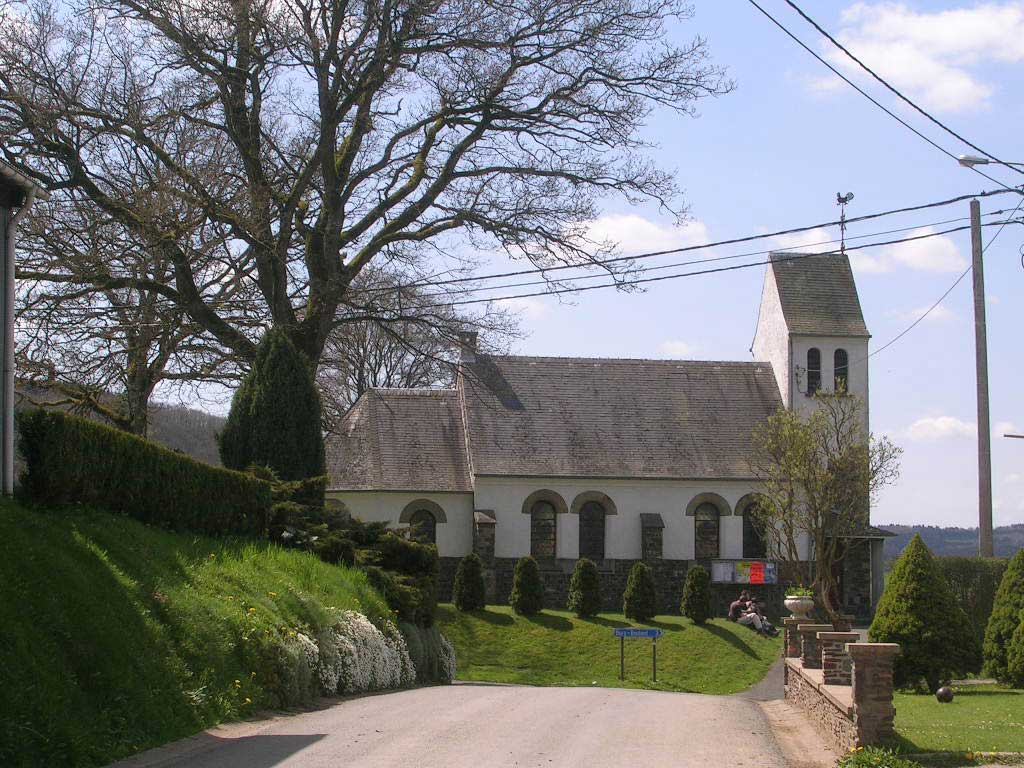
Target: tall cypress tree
(1006, 617)
(275, 414)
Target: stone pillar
(835, 661)
(810, 651)
(791, 636)
(651, 529)
(483, 545)
(873, 709)
(845, 622)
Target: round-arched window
(424, 526)
(592, 515)
(706, 531)
(543, 526)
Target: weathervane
(841, 201)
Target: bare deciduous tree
(818, 476)
(324, 136)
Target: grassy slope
(115, 637)
(556, 648)
(982, 718)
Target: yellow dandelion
(272, 594)
(252, 610)
(248, 700)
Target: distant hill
(174, 426)
(953, 541)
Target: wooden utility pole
(981, 370)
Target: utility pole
(981, 369)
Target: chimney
(467, 346)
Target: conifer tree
(1005, 619)
(585, 588)
(527, 589)
(918, 611)
(696, 603)
(469, 593)
(275, 414)
(640, 601)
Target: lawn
(118, 636)
(982, 718)
(556, 648)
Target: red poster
(757, 573)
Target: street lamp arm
(969, 161)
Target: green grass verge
(117, 636)
(556, 648)
(981, 718)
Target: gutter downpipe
(7, 449)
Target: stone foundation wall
(669, 576)
(835, 723)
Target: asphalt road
(485, 726)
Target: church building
(617, 460)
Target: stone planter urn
(800, 606)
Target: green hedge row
(72, 460)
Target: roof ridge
(658, 360)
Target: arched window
(706, 531)
(592, 516)
(542, 529)
(842, 370)
(813, 370)
(754, 545)
(424, 526)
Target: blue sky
(773, 154)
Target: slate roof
(595, 417)
(818, 294)
(400, 440)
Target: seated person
(740, 612)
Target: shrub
(431, 653)
(1005, 618)
(275, 416)
(71, 460)
(918, 611)
(696, 604)
(336, 549)
(1015, 656)
(585, 588)
(640, 602)
(974, 581)
(468, 592)
(875, 757)
(527, 590)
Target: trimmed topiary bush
(1015, 656)
(1005, 619)
(696, 603)
(275, 416)
(640, 601)
(468, 592)
(527, 596)
(72, 460)
(585, 588)
(918, 611)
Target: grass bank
(556, 648)
(118, 636)
(981, 718)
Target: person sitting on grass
(745, 611)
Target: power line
(949, 290)
(715, 270)
(872, 99)
(895, 91)
(684, 249)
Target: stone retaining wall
(833, 715)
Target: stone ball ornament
(944, 694)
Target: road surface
(485, 726)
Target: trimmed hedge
(72, 460)
(974, 581)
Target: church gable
(818, 294)
(584, 417)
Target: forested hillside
(953, 541)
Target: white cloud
(933, 57)
(635, 234)
(938, 315)
(934, 254)
(1005, 427)
(677, 349)
(532, 308)
(940, 428)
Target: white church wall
(857, 352)
(454, 537)
(771, 339)
(505, 497)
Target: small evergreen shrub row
(468, 592)
(1004, 638)
(640, 601)
(696, 603)
(527, 598)
(72, 460)
(585, 589)
(974, 581)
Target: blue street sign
(652, 633)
